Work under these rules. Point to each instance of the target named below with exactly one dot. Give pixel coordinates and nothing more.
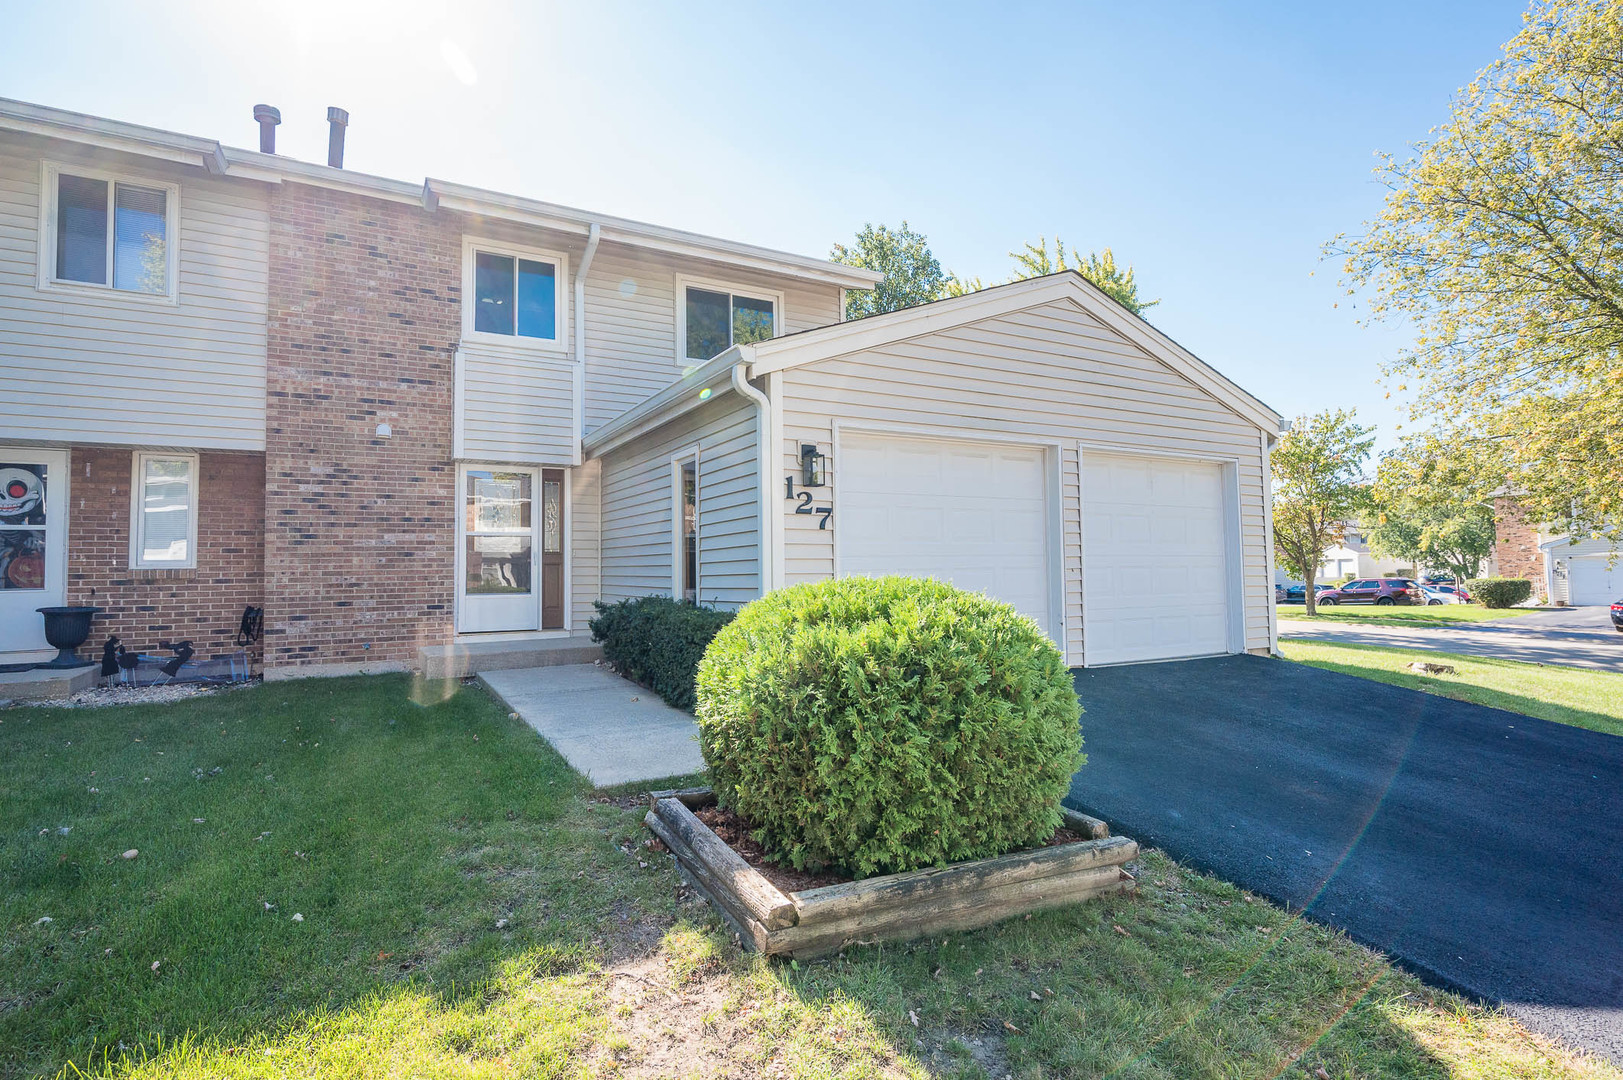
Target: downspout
(592, 237)
(764, 452)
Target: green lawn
(1566, 695)
(1407, 615)
(393, 878)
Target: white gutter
(765, 441)
(579, 315)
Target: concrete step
(41, 684)
(461, 658)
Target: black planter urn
(65, 630)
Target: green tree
(1098, 267)
(1318, 486)
(912, 274)
(1501, 241)
(1431, 525)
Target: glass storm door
(498, 560)
(33, 548)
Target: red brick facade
(146, 607)
(1515, 545)
(363, 323)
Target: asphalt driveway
(1576, 637)
(1482, 848)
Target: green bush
(658, 642)
(876, 725)
(1499, 592)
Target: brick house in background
(1585, 573)
(425, 426)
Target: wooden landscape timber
(893, 907)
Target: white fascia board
(840, 339)
(21, 116)
(640, 234)
(676, 399)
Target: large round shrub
(877, 725)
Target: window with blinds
(111, 234)
(163, 529)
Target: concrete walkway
(607, 727)
(1576, 637)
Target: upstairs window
(108, 233)
(514, 295)
(163, 511)
(712, 318)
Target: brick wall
(145, 607)
(1515, 544)
(359, 530)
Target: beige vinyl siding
(1050, 372)
(585, 509)
(638, 523)
(98, 366)
(631, 299)
(517, 405)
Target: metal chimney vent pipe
(267, 116)
(338, 119)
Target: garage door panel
(974, 514)
(1156, 565)
(1594, 580)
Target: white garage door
(1155, 559)
(974, 514)
(1593, 581)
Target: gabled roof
(432, 194)
(841, 339)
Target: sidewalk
(611, 729)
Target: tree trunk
(1309, 593)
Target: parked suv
(1381, 591)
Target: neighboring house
(1588, 572)
(426, 426)
(1350, 558)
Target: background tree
(912, 274)
(1501, 240)
(1098, 267)
(1318, 475)
(1426, 510)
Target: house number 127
(803, 503)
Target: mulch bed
(735, 833)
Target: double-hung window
(712, 317)
(107, 232)
(163, 511)
(514, 295)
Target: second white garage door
(972, 513)
(1155, 559)
(1594, 579)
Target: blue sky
(1214, 148)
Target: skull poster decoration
(22, 526)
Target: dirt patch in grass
(738, 834)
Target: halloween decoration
(22, 526)
(109, 657)
(66, 629)
(183, 652)
(252, 627)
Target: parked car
(1382, 591)
(1445, 594)
(1296, 594)
(1617, 616)
(1436, 579)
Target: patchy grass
(1406, 615)
(470, 909)
(1566, 695)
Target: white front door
(1156, 568)
(33, 548)
(971, 513)
(498, 559)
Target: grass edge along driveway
(1579, 697)
(381, 876)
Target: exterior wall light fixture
(813, 466)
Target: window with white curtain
(163, 511)
(107, 232)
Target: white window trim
(48, 281)
(557, 345)
(683, 283)
(137, 467)
(678, 460)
